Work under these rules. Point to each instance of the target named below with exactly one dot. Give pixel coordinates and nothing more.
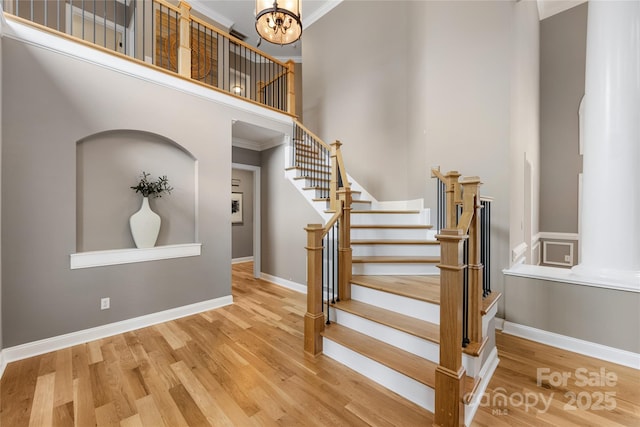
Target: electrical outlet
(105, 303)
(567, 258)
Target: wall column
(610, 219)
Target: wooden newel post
(184, 50)
(472, 185)
(345, 252)
(335, 170)
(314, 317)
(291, 87)
(449, 407)
(452, 192)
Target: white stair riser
(408, 306)
(407, 342)
(357, 204)
(391, 233)
(406, 387)
(396, 250)
(387, 219)
(391, 269)
(315, 181)
(315, 194)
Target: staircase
(387, 327)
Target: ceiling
(240, 14)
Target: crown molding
(547, 8)
(309, 20)
(202, 7)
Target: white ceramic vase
(145, 226)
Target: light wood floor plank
(149, 413)
(205, 401)
(42, 410)
(243, 365)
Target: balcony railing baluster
(219, 60)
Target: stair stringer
(309, 195)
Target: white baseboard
(46, 345)
(485, 374)
(3, 363)
(241, 260)
(294, 286)
(591, 349)
(499, 324)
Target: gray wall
(55, 101)
(107, 165)
(524, 145)
(285, 214)
(602, 316)
(242, 234)
(437, 93)
(245, 156)
(356, 91)
(562, 66)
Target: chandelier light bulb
(278, 21)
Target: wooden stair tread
(415, 367)
(326, 199)
(302, 168)
(395, 242)
(315, 178)
(416, 327)
(381, 211)
(397, 259)
(423, 288)
(394, 226)
(475, 348)
(489, 301)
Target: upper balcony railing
(170, 37)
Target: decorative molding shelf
(128, 256)
(566, 275)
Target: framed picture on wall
(236, 208)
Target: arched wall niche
(108, 164)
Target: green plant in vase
(145, 224)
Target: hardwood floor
(243, 365)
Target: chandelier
(278, 22)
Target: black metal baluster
(336, 260)
(325, 280)
(465, 295)
(115, 25)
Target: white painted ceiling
(240, 14)
(547, 8)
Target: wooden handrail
(312, 135)
(236, 40)
(332, 221)
(169, 5)
(279, 76)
